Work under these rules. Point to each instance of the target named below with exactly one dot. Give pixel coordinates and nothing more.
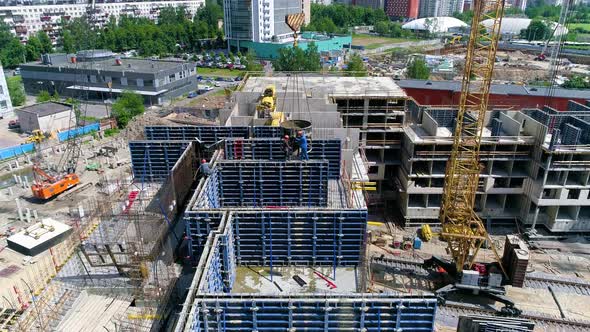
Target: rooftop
(47, 108)
(334, 86)
(108, 64)
(498, 89)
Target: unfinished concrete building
(534, 166)
(278, 245)
(369, 109)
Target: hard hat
(286, 136)
(203, 161)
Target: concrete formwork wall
(208, 134)
(153, 160)
(270, 149)
(267, 183)
(313, 312)
(332, 238)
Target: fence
(68, 134)
(15, 151)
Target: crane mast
(463, 230)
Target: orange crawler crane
(46, 186)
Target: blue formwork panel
(269, 183)
(206, 134)
(267, 131)
(219, 269)
(198, 226)
(153, 160)
(314, 312)
(329, 238)
(270, 149)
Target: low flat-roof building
(102, 75)
(444, 93)
(47, 117)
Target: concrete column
(28, 215)
(16, 178)
(28, 159)
(35, 215)
(10, 167)
(81, 211)
(20, 210)
(16, 161)
(10, 191)
(27, 185)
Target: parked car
(217, 85)
(220, 65)
(13, 124)
(16, 71)
(199, 77)
(192, 94)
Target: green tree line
(174, 32)
(338, 18)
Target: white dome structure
(513, 26)
(435, 24)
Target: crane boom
(463, 230)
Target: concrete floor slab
(256, 279)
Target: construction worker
(204, 168)
(302, 142)
(286, 147)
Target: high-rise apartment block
(5, 103)
(432, 8)
(261, 20)
(26, 18)
(402, 8)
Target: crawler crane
(462, 228)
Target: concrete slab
(256, 279)
(39, 237)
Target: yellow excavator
(36, 136)
(266, 107)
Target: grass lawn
(218, 72)
(372, 42)
(585, 26)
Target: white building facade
(261, 20)
(5, 103)
(39, 15)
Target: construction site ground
(568, 261)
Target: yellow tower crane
(462, 228)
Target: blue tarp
(14, 151)
(66, 135)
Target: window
(139, 82)
(123, 80)
(573, 194)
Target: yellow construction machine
(267, 106)
(36, 136)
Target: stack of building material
(515, 259)
(476, 323)
(470, 277)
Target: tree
(250, 61)
(128, 105)
(43, 96)
(15, 90)
(296, 59)
(577, 82)
(381, 28)
(12, 52)
(537, 30)
(67, 41)
(46, 44)
(355, 66)
(418, 69)
(34, 48)
(55, 96)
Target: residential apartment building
(5, 103)
(535, 166)
(435, 8)
(100, 75)
(407, 9)
(373, 4)
(261, 20)
(26, 18)
(520, 4)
